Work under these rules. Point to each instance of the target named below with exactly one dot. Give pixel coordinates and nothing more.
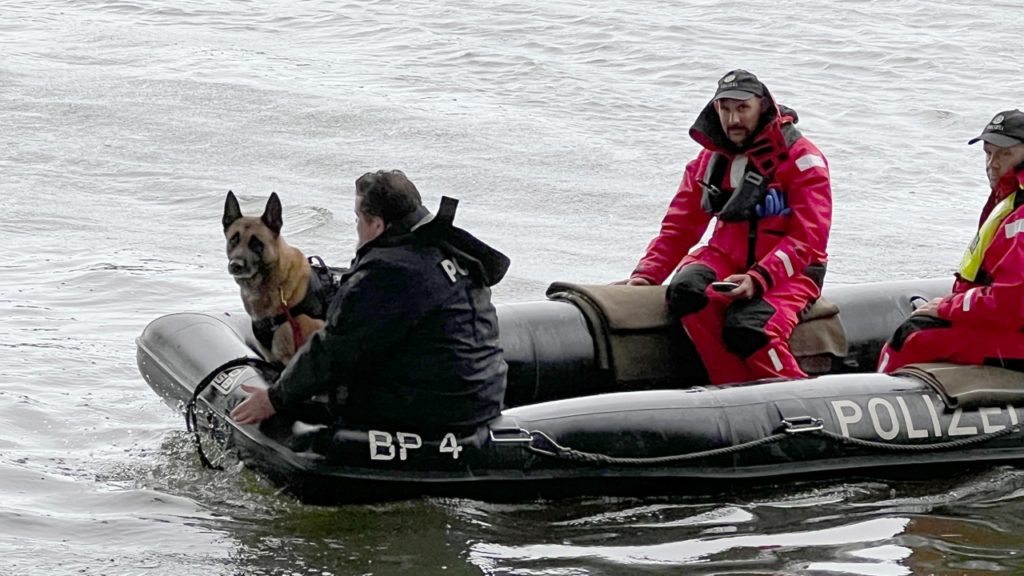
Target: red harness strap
(296, 329)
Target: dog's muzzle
(238, 269)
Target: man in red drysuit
(981, 322)
(768, 186)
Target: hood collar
(1010, 182)
(421, 226)
(707, 129)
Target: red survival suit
(981, 322)
(783, 250)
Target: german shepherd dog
(275, 280)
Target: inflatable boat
(606, 396)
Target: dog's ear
(272, 214)
(231, 210)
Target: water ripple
(561, 127)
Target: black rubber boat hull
(767, 430)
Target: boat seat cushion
(969, 386)
(637, 340)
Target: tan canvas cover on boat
(969, 387)
(637, 341)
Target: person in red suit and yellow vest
(981, 322)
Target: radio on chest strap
(735, 205)
(740, 204)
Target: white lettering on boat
(934, 414)
(888, 423)
(844, 419)
(384, 446)
(407, 441)
(225, 382)
(450, 444)
(894, 430)
(911, 431)
(380, 439)
(986, 426)
(954, 426)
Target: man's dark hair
(388, 195)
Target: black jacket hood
(707, 128)
(484, 262)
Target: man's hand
(634, 281)
(254, 409)
(930, 308)
(746, 290)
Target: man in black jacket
(411, 338)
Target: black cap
(739, 85)
(1004, 130)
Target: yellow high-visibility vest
(970, 264)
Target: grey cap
(739, 85)
(1004, 130)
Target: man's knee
(685, 293)
(912, 325)
(743, 332)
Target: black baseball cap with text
(1004, 130)
(739, 85)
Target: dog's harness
(313, 305)
(296, 329)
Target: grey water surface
(562, 127)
